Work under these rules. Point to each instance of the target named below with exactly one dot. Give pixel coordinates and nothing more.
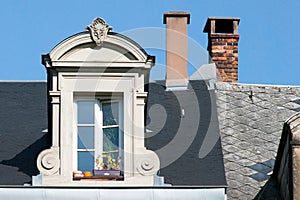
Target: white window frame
(98, 126)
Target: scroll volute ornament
(147, 162)
(48, 161)
(99, 30)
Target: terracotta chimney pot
(176, 53)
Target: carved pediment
(98, 30)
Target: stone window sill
(100, 178)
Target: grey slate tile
(246, 171)
(243, 144)
(234, 184)
(234, 175)
(232, 157)
(245, 154)
(232, 166)
(297, 109)
(291, 106)
(265, 104)
(258, 158)
(231, 148)
(243, 136)
(259, 167)
(248, 190)
(260, 177)
(241, 119)
(245, 162)
(240, 111)
(269, 163)
(296, 100)
(241, 127)
(230, 140)
(235, 194)
(251, 108)
(269, 154)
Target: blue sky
(268, 49)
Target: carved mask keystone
(98, 30)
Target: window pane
(86, 137)
(110, 139)
(85, 161)
(85, 112)
(110, 113)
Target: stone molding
(48, 161)
(59, 55)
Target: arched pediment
(81, 50)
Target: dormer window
(96, 82)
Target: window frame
(98, 125)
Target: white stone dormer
(96, 83)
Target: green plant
(108, 162)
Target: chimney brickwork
(176, 49)
(223, 41)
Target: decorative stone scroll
(147, 162)
(98, 30)
(48, 161)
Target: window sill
(100, 178)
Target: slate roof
(251, 119)
(23, 117)
(185, 122)
(250, 126)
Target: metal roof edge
(22, 81)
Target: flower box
(107, 173)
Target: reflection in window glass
(110, 139)
(86, 137)
(110, 113)
(85, 161)
(85, 112)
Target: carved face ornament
(98, 30)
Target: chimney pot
(176, 49)
(222, 45)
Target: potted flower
(106, 165)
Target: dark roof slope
(182, 128)
(23, 117)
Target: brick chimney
(223, 40)
(176, 53)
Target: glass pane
(85, 112)
(85, 161)
(110, 113)
(86, 137)
(112, 161)
(110, 139)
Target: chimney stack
(222, 46)
(176, 53)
